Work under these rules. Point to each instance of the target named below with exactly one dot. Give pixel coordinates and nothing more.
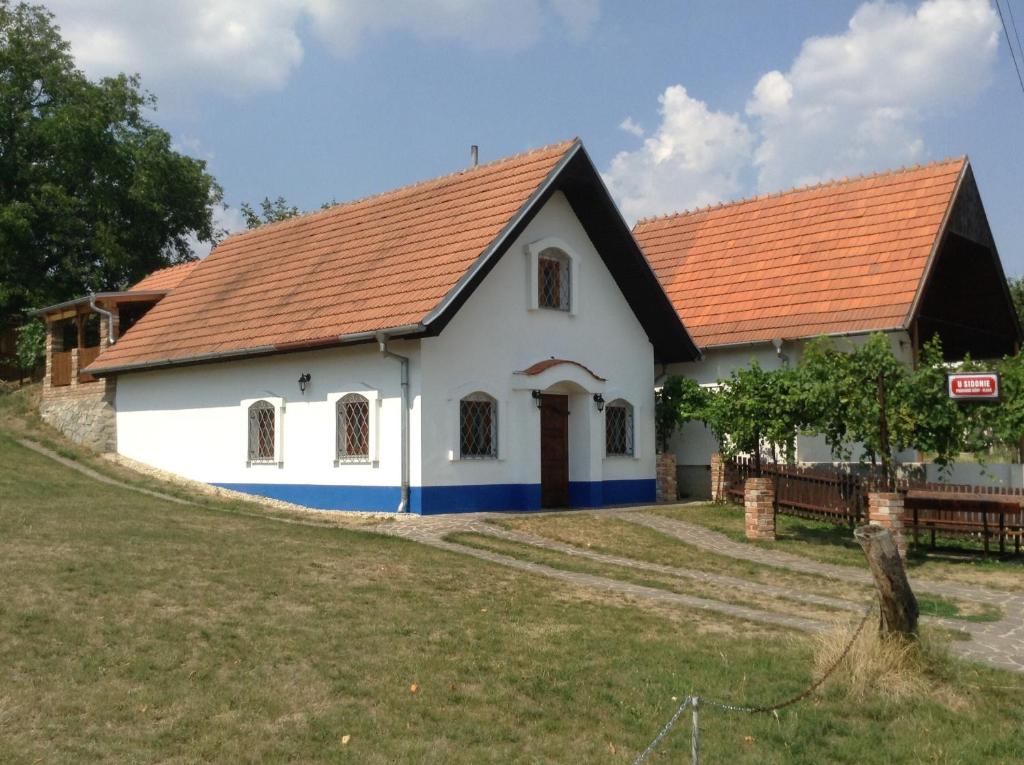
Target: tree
(92, 196)
(270, 211)
(680, 400)
(1016, 285)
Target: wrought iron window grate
(478, 427)
(553, 281)
(618, 428)
(261, 432)
(353, 428)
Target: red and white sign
(978, 386)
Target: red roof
(164, 279)
(846, 256)
(374, 264)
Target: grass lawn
(135, 630)
(831, 543)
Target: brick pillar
(667, 489)
(717, 478)
(885, 509)
(759, 503)
(54, 344)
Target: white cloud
(695, 158)
(246, 45)
(631, 126)
(848, 104)
(856, 101)
(225, 219)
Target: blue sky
(335, 99)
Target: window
(261, 432)
(553, 288)
(353, 428)
(618, 429)
(478, 427)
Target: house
(482, 341)
(908, 253)
(73, 400)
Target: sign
(973, 386)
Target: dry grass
(882, 667)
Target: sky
(680, 104)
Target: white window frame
(533, 253)
(373, 397)
(278, 403)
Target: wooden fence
(979, 513)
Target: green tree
(271, 211)
(1016, 285)
(92, 196)
(680, 400)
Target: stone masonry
(885, 509)
(759, 503)
(667, 488)
(83, 411)
(717, 478)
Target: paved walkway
(999, 643)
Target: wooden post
(896, 600)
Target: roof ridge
(903, 169)
(407, 187)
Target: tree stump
(897, 603)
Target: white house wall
(193, 421)
(496, 334)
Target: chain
(664, 732)
(760, 709)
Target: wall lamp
(537, 397)
(599, 400)
(304, 380)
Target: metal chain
(664, 732)
(760, 709)
(807, 691)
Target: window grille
(553, 280)
(261, 432)
(478, 427)
(353, 425)
(618, 429)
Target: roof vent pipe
(474, 156)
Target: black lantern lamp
(537, 397)
(304, 380)
(599, 401)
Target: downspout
(108, 314)
(382, 339)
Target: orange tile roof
(164, 278)
(373, 264)
(845, 256)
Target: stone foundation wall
(668, 490)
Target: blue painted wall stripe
(437, 500)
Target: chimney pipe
(474, 155)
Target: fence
(950, 511)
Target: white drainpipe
(382, 339)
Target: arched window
(261, 432)
(618, 429)
(553, 275)
(353, 428)
(478, 427)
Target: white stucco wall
(192, 420)
(496, 333)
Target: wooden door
(554, 451)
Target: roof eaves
(98, 296)
(496, 245)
